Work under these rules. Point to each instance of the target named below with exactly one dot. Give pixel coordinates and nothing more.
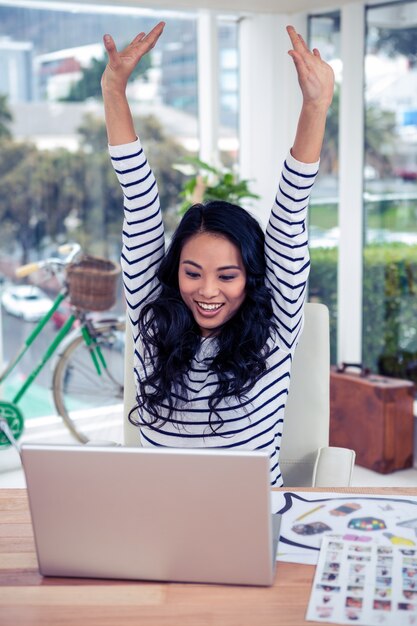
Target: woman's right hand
(121, 64)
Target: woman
(216, 319)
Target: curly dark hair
(171, 336)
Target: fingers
(303, 44)
(315, 76)
(299, 63)
(299, 44)
(145, 41)
(304, 59)
(152, 37)
(110, 48)
(138, 38)
(297, 41)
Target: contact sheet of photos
(364, 583)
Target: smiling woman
(212, 285)
(217, 318)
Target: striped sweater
(256, 422)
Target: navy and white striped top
(255, 423)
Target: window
(390, 185)
(324, 33)
(56, 182)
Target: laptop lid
(150, 513)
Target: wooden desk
(27, 599)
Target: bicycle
(88, 370)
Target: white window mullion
(351, 146)
(208, 86)
(268, 98)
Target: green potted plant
(207, 182)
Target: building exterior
(16, 76)
(179, 80)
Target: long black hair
(171, 337)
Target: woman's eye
(227, 277)
(192, 274)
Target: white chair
(305, 458)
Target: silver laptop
(152, 514)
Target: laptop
(186, 515)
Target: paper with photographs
(308, 517)
(365, 583)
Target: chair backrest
(306, 425)
(130, 432)
(307, 414)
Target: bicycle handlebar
(71, 250)
(25, 270)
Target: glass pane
(228, 93)
(180, 89)
(324, 34)
(56, 181)
(390, 252)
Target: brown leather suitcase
(372, 415)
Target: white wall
(268, 95)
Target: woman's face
(212, 280)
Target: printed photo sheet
(364, 583)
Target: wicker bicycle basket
(92, 283)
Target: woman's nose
(209, 289)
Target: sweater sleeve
(143, 242)
(286, 249)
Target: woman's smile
(209, 308)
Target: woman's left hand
(315, 76)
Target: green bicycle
(88, 366)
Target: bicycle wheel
(90, 404)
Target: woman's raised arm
(286, 240)
(119, 123)
(316, 79)
(143, 231)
